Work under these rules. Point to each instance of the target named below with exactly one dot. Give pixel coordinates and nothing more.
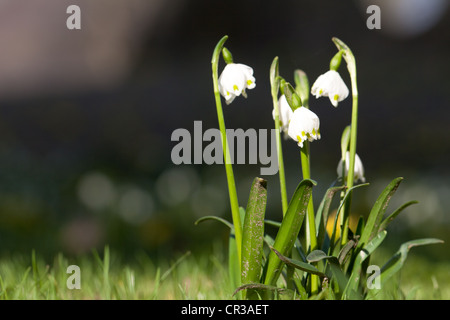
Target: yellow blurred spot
(330, 223)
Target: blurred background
(86, 116)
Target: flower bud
(358, 170)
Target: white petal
(230, 99)
(334, 102)
(235, 79)
(251, 82)
(330, 84)
(285, 113)
(232, 79)
(246, 70)
(304, 125)
(317, 88)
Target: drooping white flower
(234, 80)
(358, 170)
(284, 113)
(330, 84)
(304, 125)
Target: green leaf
(398, 259)
(340, 277)
(272, 223)
(289, 229)
(394, 214)
(268, 240)
(346, 197)
(263, 288)
(253, 232)
(298, 264)
(323, 213)
(360, 227)
(367, 250)
(297, 245)
(299, 250)
(376, 214)
(233, 263)
(301, 291)
(351, 244)
(225, 222)
(317, 255)
(234, 269)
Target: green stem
(275, 86)
(302, 88)
(351, 167)
(311, 221)
(351, 66)
(226, 153)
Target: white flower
(358, 170)
(234, 80)
(304, 125)
(330, 84)
(284, 113)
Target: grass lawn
(187, 276)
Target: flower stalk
(351, 66)
(311, 131)
(226, 152)
(275, 85)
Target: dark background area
(86, 116)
